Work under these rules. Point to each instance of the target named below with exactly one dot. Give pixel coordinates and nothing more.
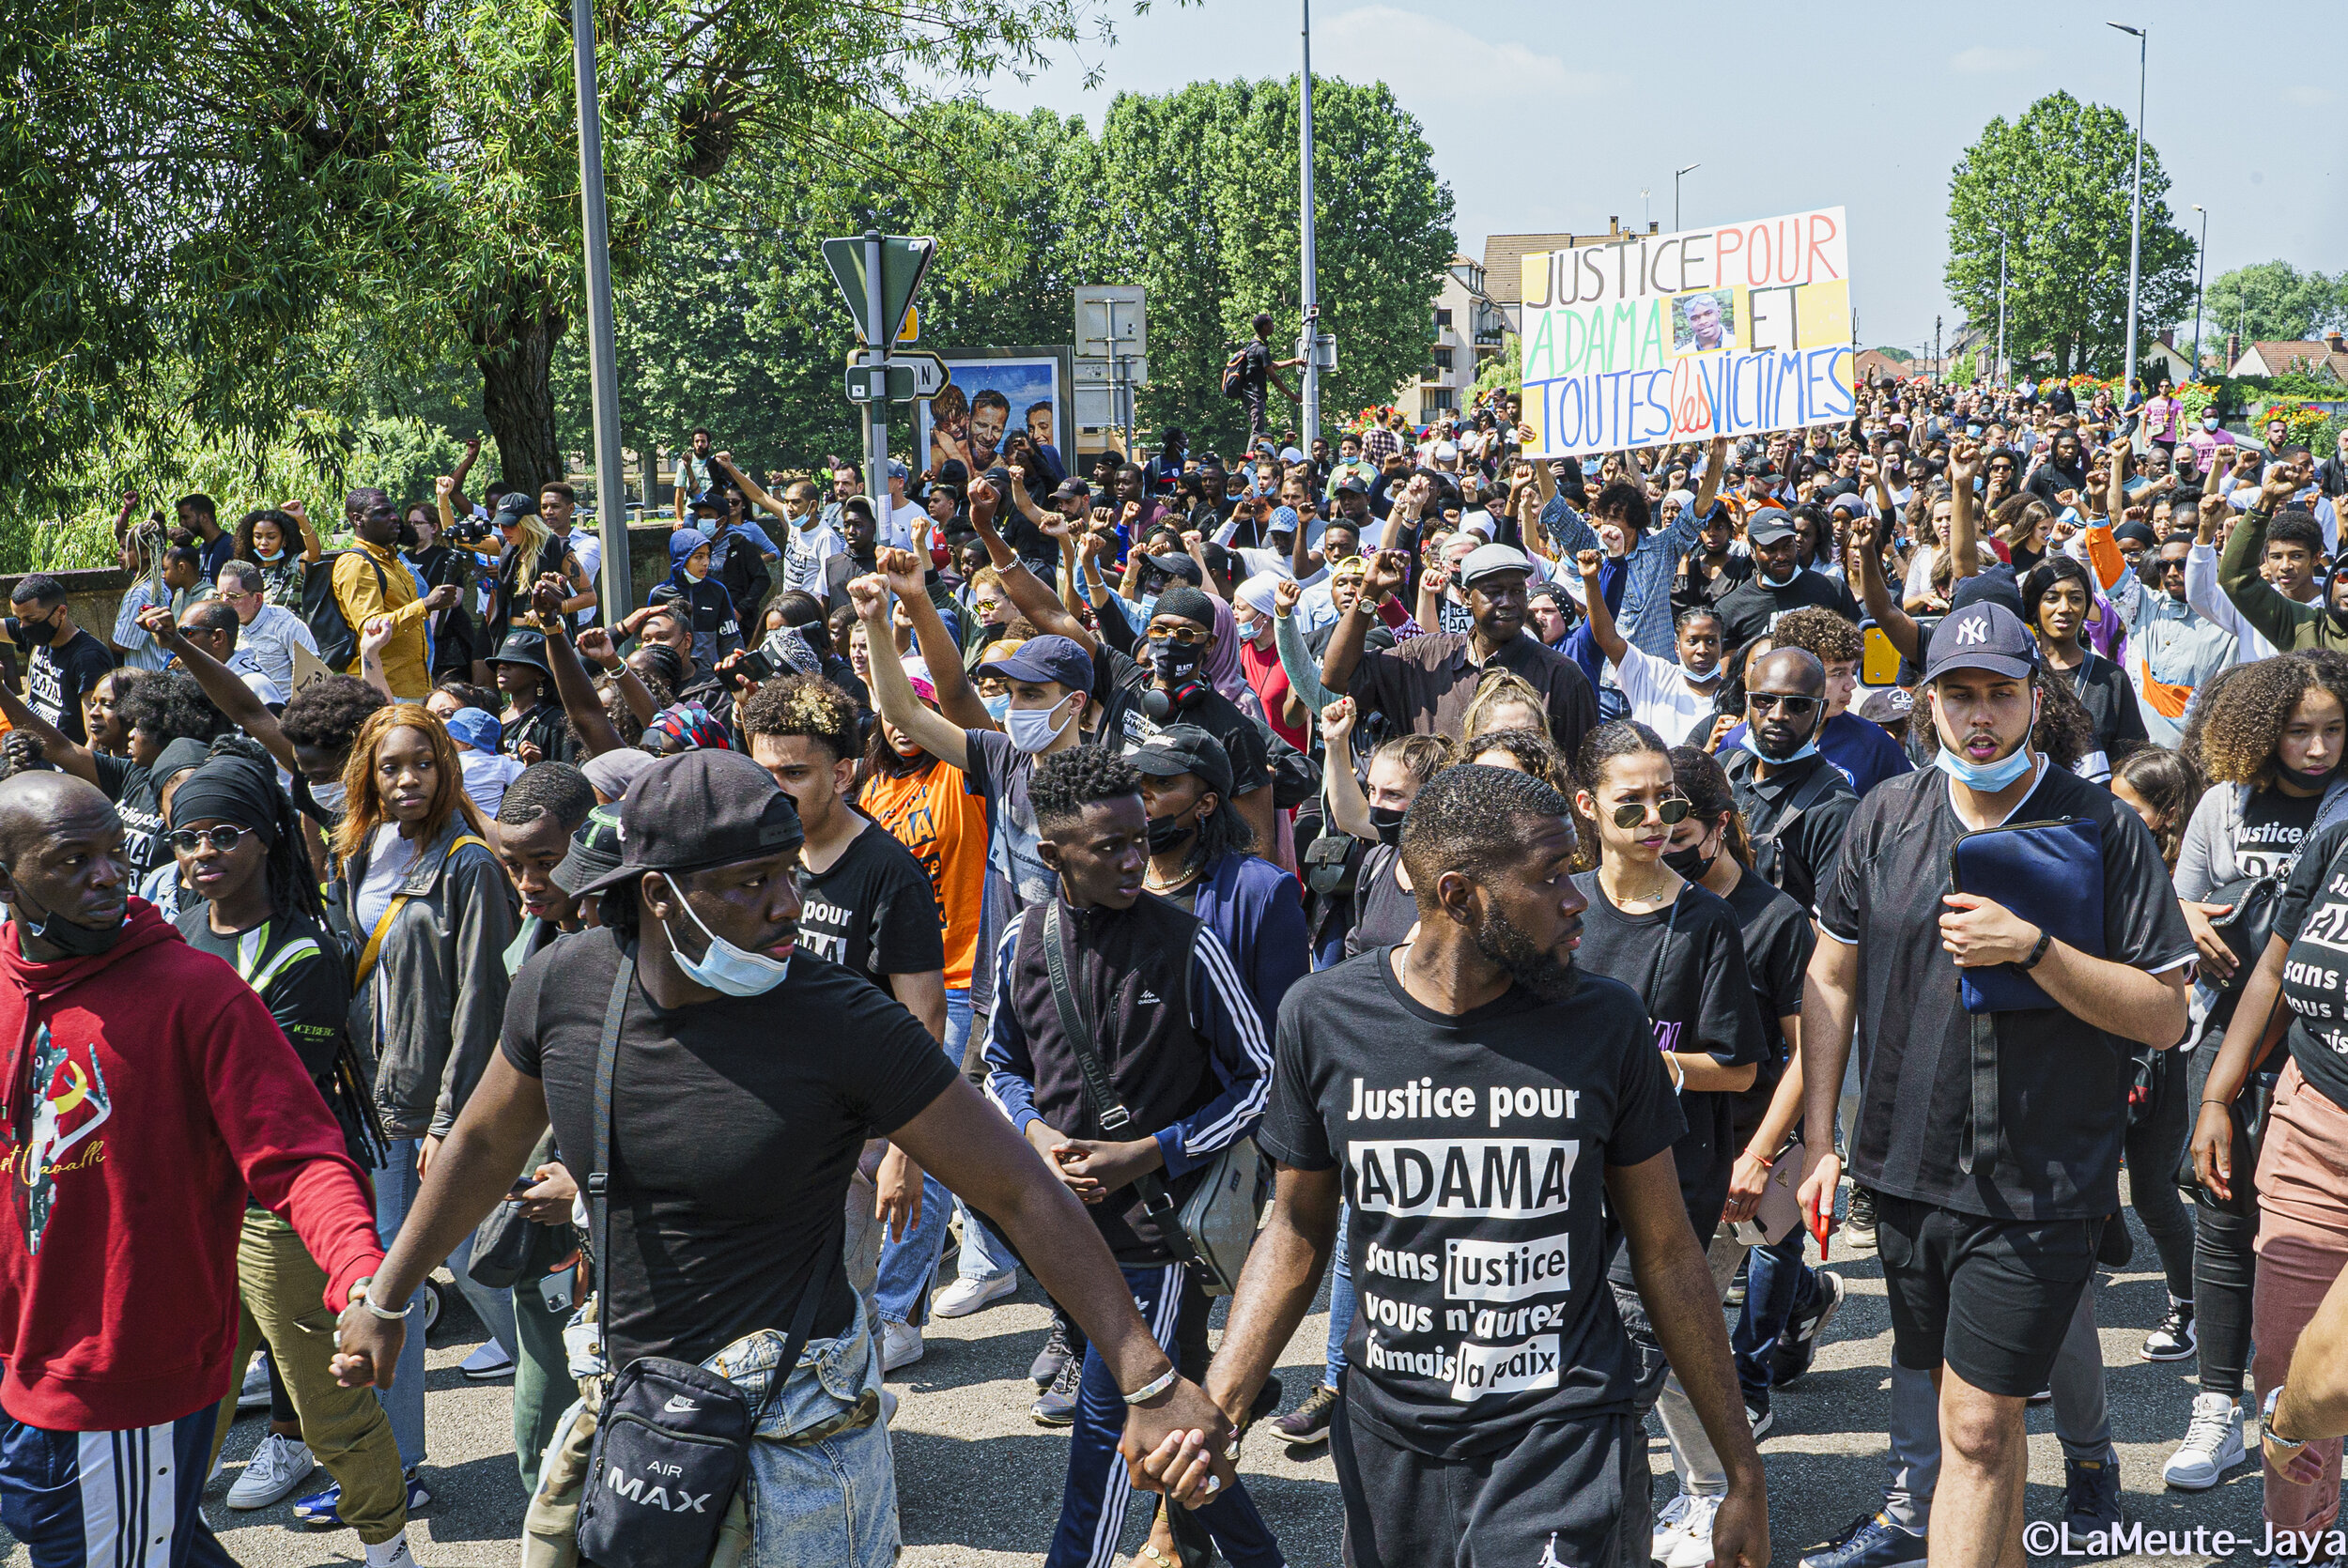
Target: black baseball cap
(709, 501)
(1072, 487)
(1772, 527)
(1351, 483)
(594, 850)
(1039, 658)
(1181, 748)
(1986, 636)
(697, 810)
(1181, 567)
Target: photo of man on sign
(1706, 321)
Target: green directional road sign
(904, 259)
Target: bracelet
(366, 1299)
(1154, 1388)
(2206, 1101)
(2045, 940)
(1761, 1159)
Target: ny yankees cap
(1982, 636)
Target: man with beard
(1486, 1058)
(990, 416)
(1779, 582)
(2064, 470)
(1796, 803)
(371, 579)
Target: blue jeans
(1779, 1287)
(1340, 1299)
(831, 1502)
(906, 1262)
(395, 1188)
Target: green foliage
(1503, 371)
(2057, 181)
(2273, 301)
(1961, 373)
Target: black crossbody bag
(672, 1438)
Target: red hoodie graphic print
(70, 1102)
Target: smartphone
(755, 666)
(555, 1290)
(1878, 661)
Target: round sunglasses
(1672, 810)
(187, 840)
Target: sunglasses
(1671, 810)
(1187, 635)
(187, 840)
(1792, 706)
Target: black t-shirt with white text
(1687, 964)
(57, 678)
(1480, 1230)
(138, 802)
(2273, 826)
(2061, 1081)
(873, 912)
(737, 1123)
(2312, 917)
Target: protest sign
(1680, 337)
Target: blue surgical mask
(2209, 421)
(1808, 748)
(725, 968)
(998, 705)
(1987, 777)
(696, 576)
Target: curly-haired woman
(2270, 736)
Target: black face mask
(1691, 863)
(1176, 662)
(40, 634)
(1166, 832)
(71, 940)
(1387, 820)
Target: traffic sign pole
(876, 410)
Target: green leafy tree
(211, 179)
(2274, 301)
(2058, 182)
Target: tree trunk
(515, 352)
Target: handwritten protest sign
(1679, 337)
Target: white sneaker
(2212, 1446)
(901, 1344)
(277, 1469)
(1670, 1525)
(488, 1362)
(252, 1393)
(1693, 1549)
(964, 1297)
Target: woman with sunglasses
(255, 906)
(1678, 947)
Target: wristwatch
(2045, 940)
(2267, 1420)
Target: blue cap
(709, 499)
(898, 470)
(1045, 658)
(477, 728)
(1982, 636)
(1283, 520)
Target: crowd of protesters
(1897, 825)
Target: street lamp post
(1311, 283)
(2198, 283)
(2005, 375)
(2135, 221)
(603, 373)
(1675, 174)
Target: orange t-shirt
(944, 824)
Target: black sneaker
(1873, 1541)
(1791, 1355)
(1307, 1425)
(2091, 1503)
(1056, 1353)
(1058, 1406)
(1859, 1221)
(2173, 1340)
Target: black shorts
(1565, 1491)
(1992, 1299)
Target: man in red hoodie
(147, 1091)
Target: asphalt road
(980, 1482)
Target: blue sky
(1548, 117)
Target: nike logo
(678, 1402)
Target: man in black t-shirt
(747, 1083)
(1795, 802)
(1488, 1110)
(867, 906)
(1991, 1139)
(1259, 370)
(1779, 583)
(67, 661)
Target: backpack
(1234, 374)
(338, 642)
